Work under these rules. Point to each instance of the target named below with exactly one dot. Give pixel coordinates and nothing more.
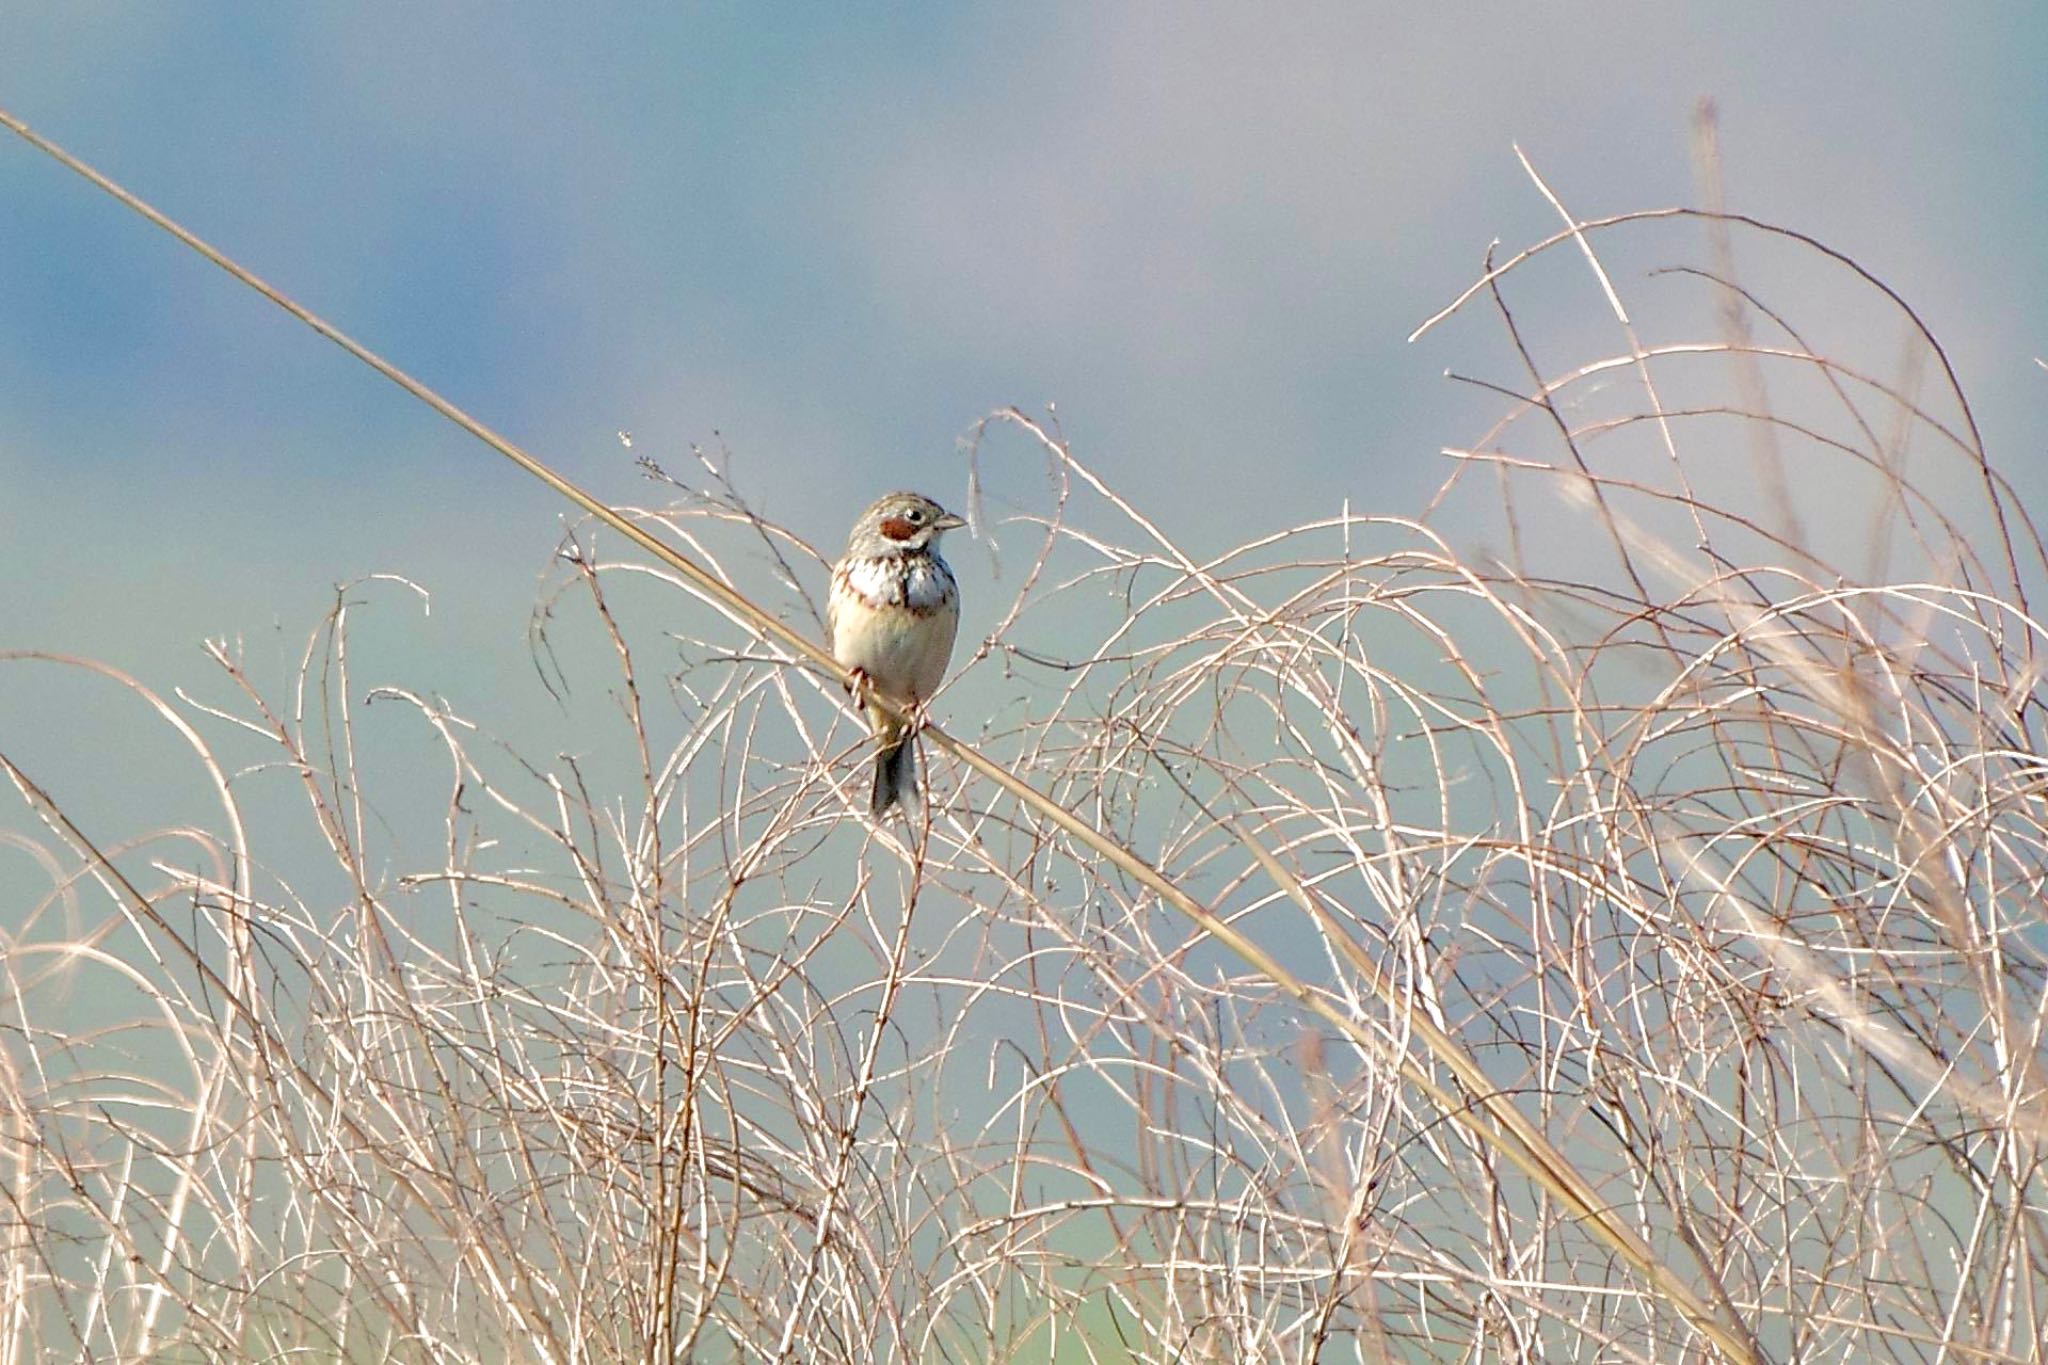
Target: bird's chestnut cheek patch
(896, 528)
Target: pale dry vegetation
(1643, 897)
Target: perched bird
(890, 618)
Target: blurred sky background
(834, 237)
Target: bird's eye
(914, 515)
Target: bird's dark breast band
(921, 584)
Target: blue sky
(831, 240)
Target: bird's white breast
(895, 622)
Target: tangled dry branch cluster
(1645, 905)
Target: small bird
(890, 618)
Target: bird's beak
(948, 522)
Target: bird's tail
(895, 770)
